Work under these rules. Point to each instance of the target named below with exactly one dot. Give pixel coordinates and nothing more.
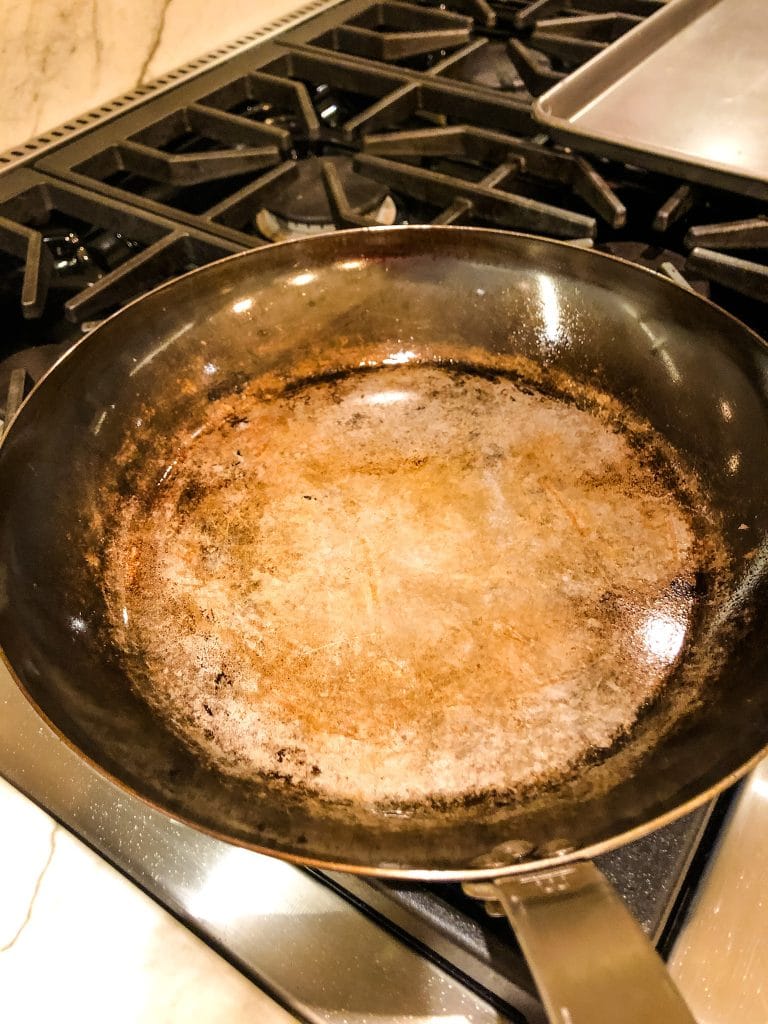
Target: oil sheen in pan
(408, 583)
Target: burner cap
(491, 67)
(304, 200)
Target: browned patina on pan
(406, 583)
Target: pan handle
(588, 955)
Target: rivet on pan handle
(588, 955)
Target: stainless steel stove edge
(54, 137)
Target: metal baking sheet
(684, 93)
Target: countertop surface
(59, 59)
(79, 942)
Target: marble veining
(78, 942)
(8, 921)
(59, 59)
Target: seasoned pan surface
(411, 583)
(572, 443)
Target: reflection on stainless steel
(399, 358)
(550, 309)
(720, 958)
(658, 334)
(726, 410)
(300, 940)
(745, 586)
(663, 635)
(299, 280)
(161, 348)
(386, 397)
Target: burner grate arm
(27, 244)
(157, 263)
(678, 204)
(743, 276)
(195, 168)
(498, 207)
(735, 234)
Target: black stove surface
(372, 113)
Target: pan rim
(447, 229)
(387, 870)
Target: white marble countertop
(59, 59)
(79, 942)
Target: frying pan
(338, 301)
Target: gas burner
(304, 199)
(69, 257)
(324, 194)
(490, 67)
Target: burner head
(302, 206)
(304, 198)
(490, 67)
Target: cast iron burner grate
(520, 49)
(726, 240)
(68, 259)
(399, 33)
(220, 153)
(430, 152)
(471, 175)
(733, 254)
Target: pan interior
(420, 583)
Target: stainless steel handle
(588, 955)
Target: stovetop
(368, 113)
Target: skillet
(537, 315)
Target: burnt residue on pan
(405, 584)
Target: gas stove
(363, 114)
